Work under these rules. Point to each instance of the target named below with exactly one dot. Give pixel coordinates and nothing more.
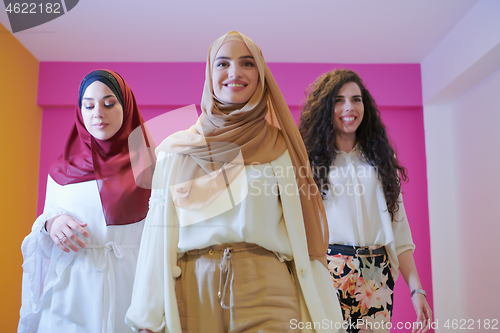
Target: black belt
(355, 251)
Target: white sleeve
(50, 210)
(36, 250)
(154, 305)
(317, 297)
(401, 229)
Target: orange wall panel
(20, 123)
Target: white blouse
(256, 186)
(357, 211)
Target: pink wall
(161, 87)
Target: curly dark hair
(318, 132)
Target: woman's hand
(422, 309)
(61, 229)
(424, 313)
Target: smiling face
(234, 75)
(101, 111)
(348, 111)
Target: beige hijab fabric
(256, 132)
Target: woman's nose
(347, 106)
(98, 112)
(234, 72)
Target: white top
(84, 291)
(256, 186)
(269, 214)
(357, 211)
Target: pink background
(161, 87)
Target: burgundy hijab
(109, 161)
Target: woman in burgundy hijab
(80, 258)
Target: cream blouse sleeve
(401, 229)
(317, 297)
(154, 304)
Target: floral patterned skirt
(364, 287)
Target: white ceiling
(332, 31)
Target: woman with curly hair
(359, 177)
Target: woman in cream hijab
(236, 235)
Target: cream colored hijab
(228, 136)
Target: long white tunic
(265, 210)
(357, 211)
(84, 291)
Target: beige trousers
(234, 288)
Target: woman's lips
(235, 85)
(348, 120)
(100, 125)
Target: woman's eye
(248, 64)
(109, 105)
(88, 107)
(221, 64)
(338, 100)
(357, 99)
